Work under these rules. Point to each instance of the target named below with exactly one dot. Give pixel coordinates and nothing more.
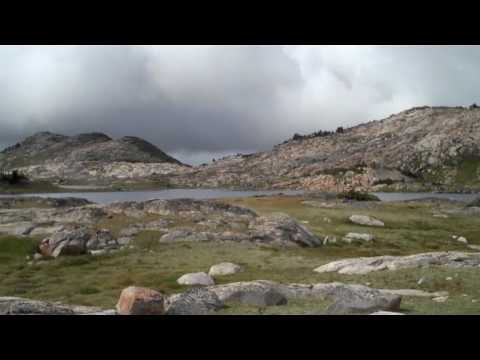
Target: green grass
(37, 186)
(468, 172)
(409, 228)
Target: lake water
(110, 197)
(413, 196)
(114, 196)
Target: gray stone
(365, 220)
(21, 306)
(255, 293)
(199, 278)
(196, 301)
(366, 265)
(225, 268)
(281, 229)
(351, 237)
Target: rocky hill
(45, 146)
(423, 148)
(85, 157)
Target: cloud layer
(202, 101)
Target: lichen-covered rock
(140, 301)
(254, 293)
(365, 220)
(351, 237)
(283, 230)
(199, 278)
(225, 268)
(196, 301)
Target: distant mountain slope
(45, 146)
(421, 148)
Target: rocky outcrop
(423, 148)
(77, 241)
(199, 278)
(87, 158)
(140, 301)
(70, 242)
(366, 265)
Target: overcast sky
(199, 102)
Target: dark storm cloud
(219, 99)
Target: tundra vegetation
(410, 228)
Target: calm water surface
(110, 197)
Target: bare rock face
(199, 278)
(140, 301)
(225, 268)
(366, 265)
(283, 230)
(365, 220)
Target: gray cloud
(205, 101)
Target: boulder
(140, 301)
(254, 293)
(350, 237)
(225, 268)
(67, 242)
(365, 220)
(281, 229)
(352, 301)
(196, 301)
(199, 278)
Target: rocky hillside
(424, 148)
(45, 146)
(428, 148)
(86, 157)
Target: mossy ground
(409, 228)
